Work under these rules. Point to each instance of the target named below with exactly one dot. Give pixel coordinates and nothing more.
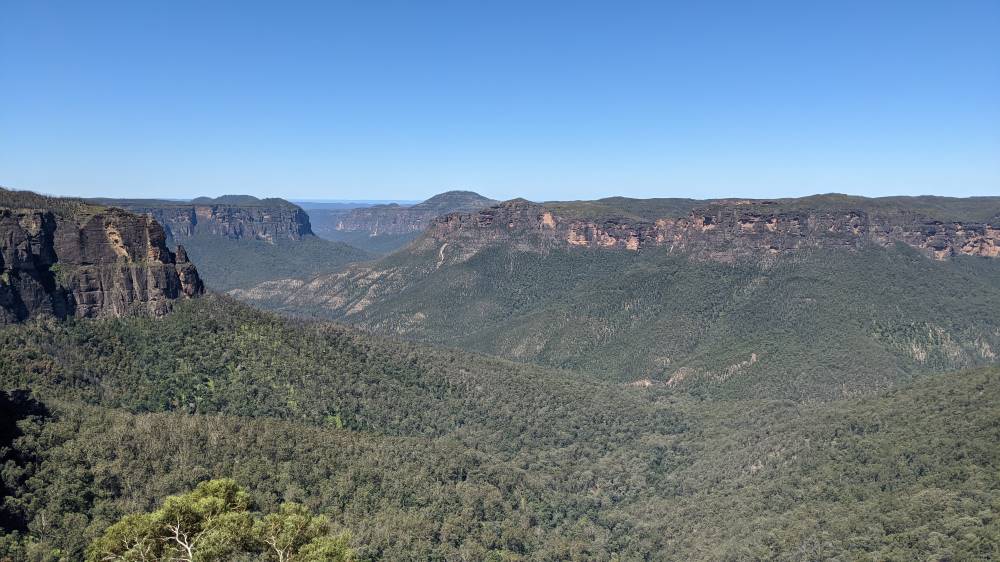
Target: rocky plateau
(719, 231)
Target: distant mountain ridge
(398, 219)
(385, 228)
(243, 200)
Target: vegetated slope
(426, 453)
(243, 240)
(812, 303)
(325, 225)
(218, 357)
(232, 264)
(382, 229)
(904, 475)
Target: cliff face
(397, 219)
(236, 222)
(236, 217)
(105, 262)
(719, 231)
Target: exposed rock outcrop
(719, 231)
(88, 262)
(233, 217)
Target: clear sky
(546, 100)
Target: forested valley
(426, 453)
(144, 417)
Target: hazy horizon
(410, 201)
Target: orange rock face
(723, 231)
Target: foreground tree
(214, 523)
(293, 535)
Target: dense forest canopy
(231, 264)
(427, 453)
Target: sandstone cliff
(233, 217)
(719, 230)
(63, 257)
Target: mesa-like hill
(237, 217)
(382, 229)
(243, 240)
(65, 257)
(815, 297)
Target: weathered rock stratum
(718, 230)
(236, 217)
(63, 257)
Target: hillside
(216, 357)
(382, 229)
(769, 298)
(426, 453)
(234, 264)
(243, 240)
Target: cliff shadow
(15, 406)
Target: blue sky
(546, 100)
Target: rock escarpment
(232, 217)
(827, 295)
(721, 230)
(74, 259)
(397, 219)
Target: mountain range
(612, 380)
(382, 229)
